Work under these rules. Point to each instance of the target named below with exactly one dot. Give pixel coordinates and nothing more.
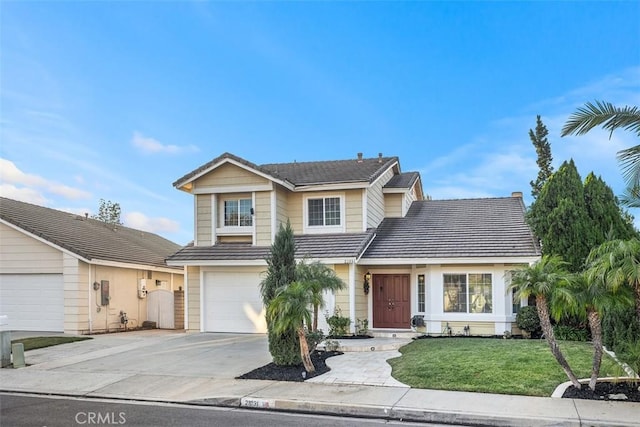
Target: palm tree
(289, 310)
(587, 295)
(617, 263)
(611, 118)
(318, 278)
(541, 280)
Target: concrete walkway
(201, 369)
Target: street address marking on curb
(252, 402)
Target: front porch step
(394, 333)
(366, 344)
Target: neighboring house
(401, 256)
(65, 272)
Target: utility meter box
(142, 288)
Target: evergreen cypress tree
(281, 272)
(608, 221)
(559, 217)
(543, 150)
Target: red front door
(391, 301)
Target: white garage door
(33, 302)
(232, 302)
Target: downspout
(352, 295)
(90, 306)
(186, 298)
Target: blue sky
(117, 100)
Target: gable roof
(304, 173)
(88, 238)
(488, 227)
(317, 246)
(402, 181)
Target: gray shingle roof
(456, 228)
(89, 238)
(403, 180)
(347, 245)
(308, 173)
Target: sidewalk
(74, 375)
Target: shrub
(620, 326)
(338, 324)
(362, 326)
(285, 348)
(314, 338)
(570, 333)
(629, 353)
(528, 320)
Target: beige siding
(20, 253)
(342, 296)
(475, 328)
(235, 239)
(263, 218)
(229, 175)
(76, 295)
(362, 300)
(295, 212)
(193, 278)
(375, 200)
(203, 220)
(282, 206)
(353, 211)
(393, 205)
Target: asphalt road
(27, 410)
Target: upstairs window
(237, 213)
(323, 212)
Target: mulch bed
(291, 373)
(606, 391)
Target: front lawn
(524, 367)
(33, 343)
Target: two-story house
(445, 261)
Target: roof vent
(379, 157)
(359, 157)
(517, 194)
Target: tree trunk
(304, 351)
(636, 291)
(545, 324)
(315, 318)
(596, 334)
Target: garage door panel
(232, 303)
(33, 302)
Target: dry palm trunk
(304, 351)
(596, 334)
(545, 323)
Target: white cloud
(11, 174)
(151, 145)
(503, 159)
(140, 221)
(28, 195)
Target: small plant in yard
(314, 338)
(362, 326)
(338, 324)
(527, 319)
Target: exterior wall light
(365, 286)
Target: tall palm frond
(602, 114)
(629, 160)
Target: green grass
(41, 342)
(524, 367)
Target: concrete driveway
(157, 352)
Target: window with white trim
(237, 213)
(468, 293)
(421, 293)
(324, 212)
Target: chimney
(517, 194)
(359, 157)
(379, 157)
